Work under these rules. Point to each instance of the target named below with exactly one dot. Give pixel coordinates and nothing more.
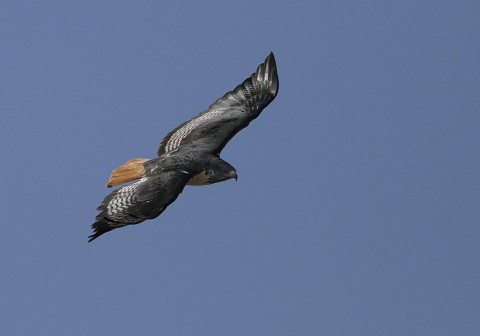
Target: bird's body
(189, 154)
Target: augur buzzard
(189, 154)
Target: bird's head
(220, 171)
(213, 171)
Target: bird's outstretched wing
(214, 127)
(134, 203)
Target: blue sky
(356, 211)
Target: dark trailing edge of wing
(229, 114)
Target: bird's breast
(199, 180)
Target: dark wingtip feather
(270, 60)
(100, 227)
(267, 73)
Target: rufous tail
(132, 170)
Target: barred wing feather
(214, 127)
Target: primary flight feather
(189, 154)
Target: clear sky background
(356, 211)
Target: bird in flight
(189, 154)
